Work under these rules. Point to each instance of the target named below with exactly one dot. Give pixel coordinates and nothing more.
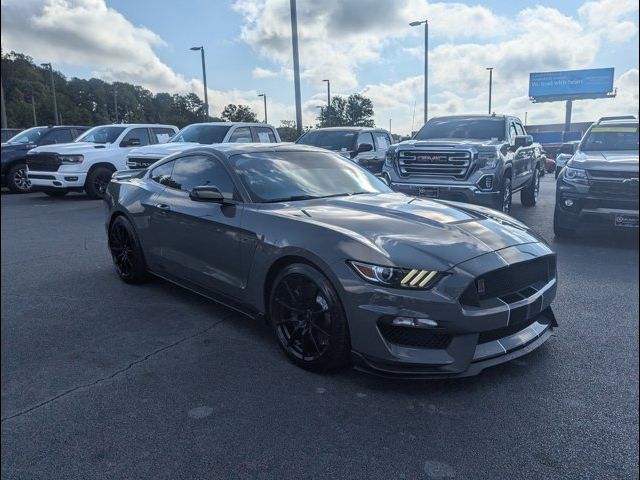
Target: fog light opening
(71, 179)
(414, 322)
(568, 203)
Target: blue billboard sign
(570, 84)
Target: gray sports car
(344, 269)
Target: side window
(162, 135)
(139, 134)
(265, 135)
(382, 141)
(365, 137)
(512, 132)
(59, 135)
(520, 129)
(200, 170)
(162, 174)
(241, 135)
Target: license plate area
(626, 220)
(429, 192)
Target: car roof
(616, 122)
(230, 149)
(474, 115)
(248, 124)
(354, 129)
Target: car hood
(449, 142)
(163, 149)
(623, 161)
(16, 147)
(70, 148)
(410, 231)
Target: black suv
(366, 146)
(480, 159)
(599, 185)
(7, 133)
(14, 153)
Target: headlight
(388, 159)
(576, 175)
(71, 159)
(395, 277)
(487, 159)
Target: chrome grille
(441, 163)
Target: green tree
(287, 130)
(238, 113)
(355, 111)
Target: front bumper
(475, 337)
(57, 180)
(459, 193)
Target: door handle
(163, 206)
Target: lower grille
(434, 163)
(515, 326)
(512, 280)
(414, 337)
(43, 162)
(42, 177)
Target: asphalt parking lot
(104, 380)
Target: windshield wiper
(292, 198)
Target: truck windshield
(464, 128)
(620, 137)
(101, 135)
(336, 140)
(204, 134)
(31, 135)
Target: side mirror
(207, 194)
(364, 147)
(523, 141)
(132, 142)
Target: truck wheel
(97, 181)
(505, 198)
(17, 180)
(559, 230)
(529, 195)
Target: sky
(362, 46)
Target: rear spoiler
(128, 174)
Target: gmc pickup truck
(481, 159)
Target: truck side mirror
(523, 141)
(364, 147)
(132, 142)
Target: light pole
(490, 86)
(204, 80)
(389, 125)
(4, 111)
(264, 97)
(426, 65)
(115, 101)
(33, 108)
(53, 92)
(296, 64)
(328, 102)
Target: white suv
(203, 134)
(88, 162)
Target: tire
(505, 200)
(308, 319)
(17, 181)
(559, 230)
(97, 182)
(529, 195)
(126, 252)
(56, 193)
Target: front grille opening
(512, 283)
(414, 337)
(517, 323)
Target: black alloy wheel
(126, 252)
(308, 319)
(97, 181)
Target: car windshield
(614, 137)
(288, 176)
(31, 135)
(471, 128)
(101, 135)
(336, 140)
(205, 134)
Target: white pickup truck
(88, 162)
(203, 134)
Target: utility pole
(264, 97)
(389, 125)
(33, 108)
(296, 64)
(204, 80)
(567, 119)
(426, 65)
(56, 117)
(328, 102)
(4, 111)
(115, 101)
(490, 86)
